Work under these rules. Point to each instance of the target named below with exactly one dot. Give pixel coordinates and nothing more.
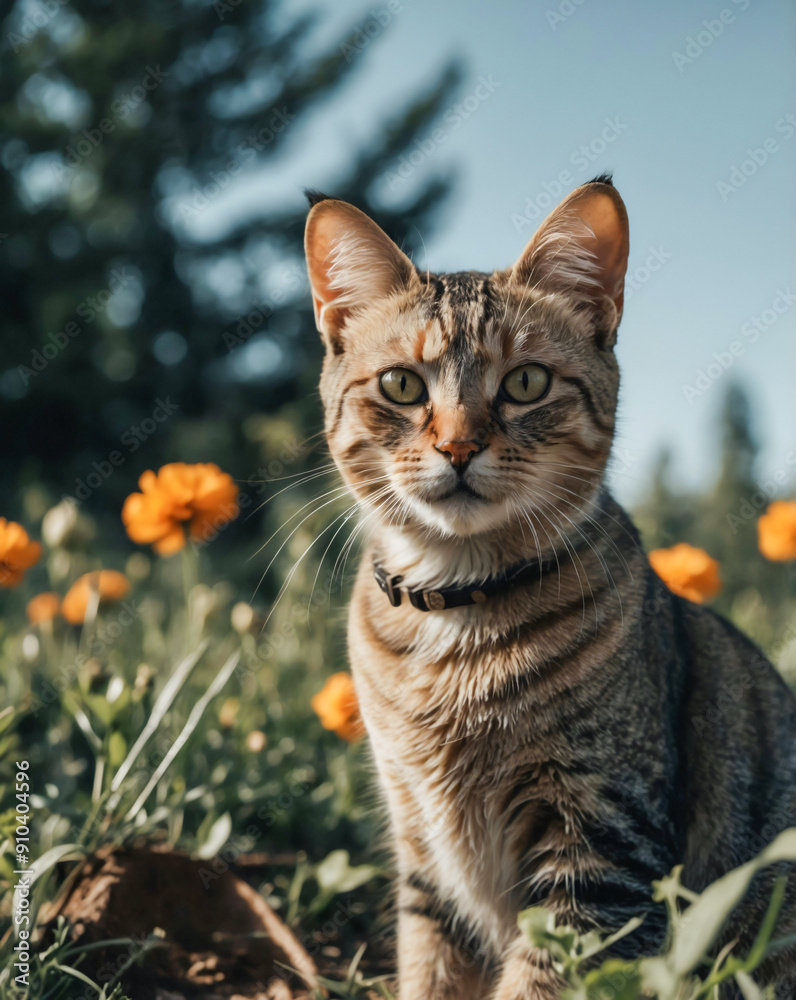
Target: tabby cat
(542, 710)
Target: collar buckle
(387, 583)
(428, 600)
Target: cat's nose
(459, 452)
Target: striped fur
(557, 745)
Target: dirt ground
(197, 930)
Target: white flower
(59, 522)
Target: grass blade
(159, 709)
(197, 712)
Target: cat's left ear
(581, 251)
(351, 263)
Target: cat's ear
(351, 262)
(581, 250)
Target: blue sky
(670, 117)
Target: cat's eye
(400, 385)
(526, 384)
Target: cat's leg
(527, 974)
(437, 960)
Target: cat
(540, 707)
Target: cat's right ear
(351, 262)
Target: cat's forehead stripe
(462, 304)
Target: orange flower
(112, 586)
(687, 571)
(337, 706)
(776, 531)
(201, 494)
(43, 607)
(228, 712)
(17, 553)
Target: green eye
(526, 384)
(402, 386)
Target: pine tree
(738, 445)
(119, 125)
(724, 531)
(663, 515)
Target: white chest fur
(457, 820)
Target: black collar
(466, 594)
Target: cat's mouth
(461, 489)
(459, 507)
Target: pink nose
(459, 452)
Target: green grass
(138, 727)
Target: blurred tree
(132, 336)
(739, 448)
(663, 514)
(728, 523)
